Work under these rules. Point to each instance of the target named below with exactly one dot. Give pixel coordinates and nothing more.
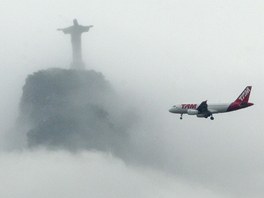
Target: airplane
(205, 110)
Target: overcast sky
(156, 54)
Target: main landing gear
(211, 117)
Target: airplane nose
(171, 110)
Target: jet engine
(204, 115)
(201, 115)
(192, 112)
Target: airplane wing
(203, 108)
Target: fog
(154, 54)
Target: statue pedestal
(78, 65)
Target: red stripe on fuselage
(236, 105)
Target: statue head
(75, 22)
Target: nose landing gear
(181, 117)
(212, 118)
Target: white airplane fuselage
(184, 108)
(205, 110)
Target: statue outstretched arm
(65, 30)
(86, 28)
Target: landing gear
(212, 118)
(181, 117)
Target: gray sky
(156, 54)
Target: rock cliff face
(69, 109)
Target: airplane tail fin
(244, 96)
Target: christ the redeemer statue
(76, 31)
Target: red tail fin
(244, 96)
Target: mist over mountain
(72, 110)
(123, 142)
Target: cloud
(87, 174)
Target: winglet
(203, 106)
